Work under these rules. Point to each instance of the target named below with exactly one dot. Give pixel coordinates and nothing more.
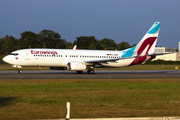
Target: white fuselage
(61, 57)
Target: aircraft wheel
(90, 71)
(79, 72)
(20, 71)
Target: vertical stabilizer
(148, 42)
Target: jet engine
(76, 66)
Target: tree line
(51, 39)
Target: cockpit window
(15, 54)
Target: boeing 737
(81, 60)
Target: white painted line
(68, 111)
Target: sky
(120, 20)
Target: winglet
(74, 48)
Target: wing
(99, 61)
(102, 61)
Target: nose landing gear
(20, 71)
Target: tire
(20, 71)
(90, 71)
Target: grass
(91, 98)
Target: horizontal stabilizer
(155, 54)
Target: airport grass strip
(89, 98)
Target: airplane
(82, 60)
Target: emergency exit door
(27, 55)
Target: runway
(99, 74)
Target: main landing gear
(90, 71)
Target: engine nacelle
(76, 66)
(58, 68)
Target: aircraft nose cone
(5, 59)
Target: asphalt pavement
(99, 74)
